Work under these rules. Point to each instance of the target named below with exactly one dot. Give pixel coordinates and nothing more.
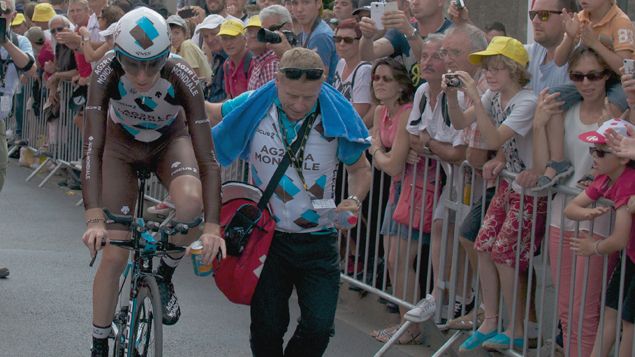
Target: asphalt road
(45, 304)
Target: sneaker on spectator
(422, 311)
(162, 208)
(545, 350)
(4, 272)
(563, 169)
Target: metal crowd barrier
(467, 186)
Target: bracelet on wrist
(94, 220)
(596, 248)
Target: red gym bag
(248, 228)
(237, 276)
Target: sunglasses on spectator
(591, 76)
(348, 40)
(57, 29)
(543, 15)
(311, 74)
(386, 79)
(598, 152)
(276, 27)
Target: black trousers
(308, 262)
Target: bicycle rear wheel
(146, 326)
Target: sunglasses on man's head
(543, 15)
(592, 76)
(311, 74)
(348, 40)
(276, 27)
(598, 152)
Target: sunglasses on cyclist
(134, 67)
(598, 152)
(591, 76)
(348, 40)
(386, 79)
(311, 74)
(543, 15)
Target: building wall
(512, 13)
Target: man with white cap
(184, 47)
(211, 44)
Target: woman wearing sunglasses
(590, 74)
(393, 91)
(64, 67)
(352, 76)
(144, 110)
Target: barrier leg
(13, 149)
(57, 167)
(39, 168)
(80, 202)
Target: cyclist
(144, 109)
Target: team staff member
(303, 252)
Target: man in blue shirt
(316, 34)
(259, 127)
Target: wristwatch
(413, 35)
(356, 199)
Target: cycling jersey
(148, 129)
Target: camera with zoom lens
(268, 36)
(452, 80)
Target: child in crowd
(615, 180)
(504, 116)
(594, 26)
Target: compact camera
(452, 80)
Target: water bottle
(345, 219)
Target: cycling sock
(167, 266)
(101, 333)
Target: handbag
(414, 190)
(248, 227)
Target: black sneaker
(169, 303)
(100, 347)
(458, 307)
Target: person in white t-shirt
(504, 118)
(352, 75)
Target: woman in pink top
(393, 90)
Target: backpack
(444, 110)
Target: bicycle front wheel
(146, 329)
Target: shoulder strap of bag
(282, 167)
(363, 64)
(247, 63)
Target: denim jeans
(308, 262)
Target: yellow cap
(254, 21)
(231, 28)
(18, 20)
(43, 12)
(505, 46)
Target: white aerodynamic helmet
(142, 34)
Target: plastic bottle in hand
(345, 220)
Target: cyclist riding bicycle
(144, 109)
